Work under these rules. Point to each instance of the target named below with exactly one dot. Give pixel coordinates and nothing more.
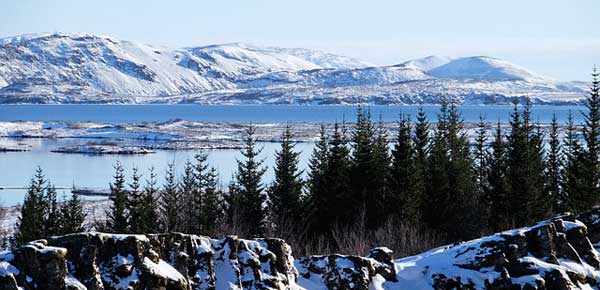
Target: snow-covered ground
(171, 135)
(174, 135)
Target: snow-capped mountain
(484, 68)
(84, 68)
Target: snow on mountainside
(324, 59)
(84, 68)
(485, 68)
(427, 63)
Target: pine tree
(212, 212)
(206, 185)
(381, 168)
(496, 192)
(571, 170)
(436, 211)
(170, 201)
(481, 157)
(286, 191)
(196, 191)
(73, 215)
(340, 197)
(30, 225)
(135, 204)
(318, 202)
(150, 204)
(589, 193)
(451, 202)
(517, 175)
(191, 204)
(540, 202)
(554, 165)
(464, 202)
(421, 144)
(117, 215)
(247, 188)
(52, 214)
(367, 180)
(527, 195)
(404, 202)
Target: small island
(13, 149)
(100, 149)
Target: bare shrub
(403, 238)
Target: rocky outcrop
(558, 253)
(347, 272)
(554, 254)
(175, 261)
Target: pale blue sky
(558, 38)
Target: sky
(557, 38)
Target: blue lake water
(64, 170)
(255, 113)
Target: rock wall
(555, 254)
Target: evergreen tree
(464, 202)
(527, 195)
(73, 215)
(481, 157)
(517, 166)
(191, 196)
(150, 204)
(571, 170)
(421, 144)
(404, 202)
(496, 190)
(368, 172)
(340, 197)
(286, 191)
(30, 225)
(212, 212)
(540, 202)
(170, 201)
(452, 204)
(135, 205)
(381, 168)
(196, 198)
(117, 215)
(554, 165)
(52, 214)
(588, 194)
(436, 211)
(318, 204)
(247, 188)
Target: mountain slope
(486, 69)
(83, 68)
(427, 63)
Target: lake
(64, 170)
(255, 113)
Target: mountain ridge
(87, 68)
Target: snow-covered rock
(558, 253)
(84, 68)
(165, 261)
